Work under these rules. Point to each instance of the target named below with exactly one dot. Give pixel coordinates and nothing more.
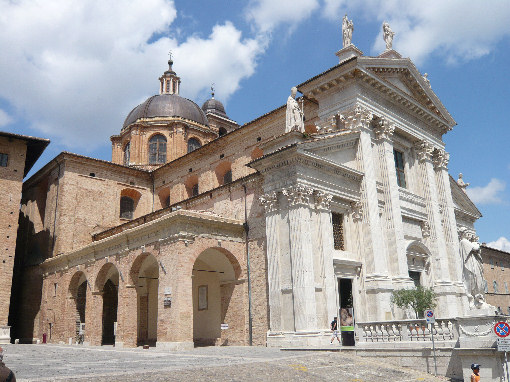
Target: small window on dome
(193, 144)
(157, 149)
(126, 154)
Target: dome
(167, 105)
(214, 106)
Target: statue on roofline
(347, 29)
(294, 115)
(388, 35)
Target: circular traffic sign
(430, 313)
(502, 329)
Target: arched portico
(78, 294)
(145, 277)
(107, 282)
(217, 298)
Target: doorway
(110, 300)
(346, 312)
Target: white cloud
(455, 29)
(503, 244)
(268, 14)
(489, 194)
(76, 68)
(5, 118)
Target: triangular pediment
(462, 202)
(401, 76)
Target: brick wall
(496, 268)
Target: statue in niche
(294, 116)
(461, 183)
(347, 29)
(388, 35)
(470, 254)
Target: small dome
(214, 106)
(167, 105)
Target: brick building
(496, 271)
(201, 231)
(18, 153)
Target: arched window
(126, 154)
(194, 190)
(157, 149)
(222, 131)
(127, 207)
(227, 178)
(193, 144)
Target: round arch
(107, 282)
(217, 297)
(78, 293)
(144, 275)
(418, 261)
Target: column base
(5, 334)
(319, 338)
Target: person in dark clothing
(334, 328)
(6, 375)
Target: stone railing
(406, 331)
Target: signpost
(502, 330)
(431, 319)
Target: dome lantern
(169, 82)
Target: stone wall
(11, 178)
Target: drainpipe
(153, 190)
(247, 230)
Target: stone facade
(496, 271)
(249, 237)
(17, 155)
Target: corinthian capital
(358, 117)
(323, 200)
(423, 150)
(269, 201)
(441, 159)
(383, 129)
(298, 195)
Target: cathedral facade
(203, 232)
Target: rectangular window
(399, 168)
(203, 304)
(506, 288)
(492, 264)
(4, 158)
(338, 230)
(415, 276)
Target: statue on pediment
(347, 29)
(463, 185)
(294, 115)
(388, 35)
(471, 256)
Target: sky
(71, 71)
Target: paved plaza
(81, 363)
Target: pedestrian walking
(475, 377)
(334, 328)
(6, 375)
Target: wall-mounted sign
(224, 326)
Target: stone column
(435, 242)
(270, 203)
(394, 228)
(325, 245)
(301, 254)
(377, 283)
(94, 317)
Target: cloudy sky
(72, 70)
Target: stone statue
(426, 79)
(461, 183)
(347, 28)
(294, 120)
(388, 35)
(472, 270)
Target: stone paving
(82, 363)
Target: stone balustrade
(406, 331)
